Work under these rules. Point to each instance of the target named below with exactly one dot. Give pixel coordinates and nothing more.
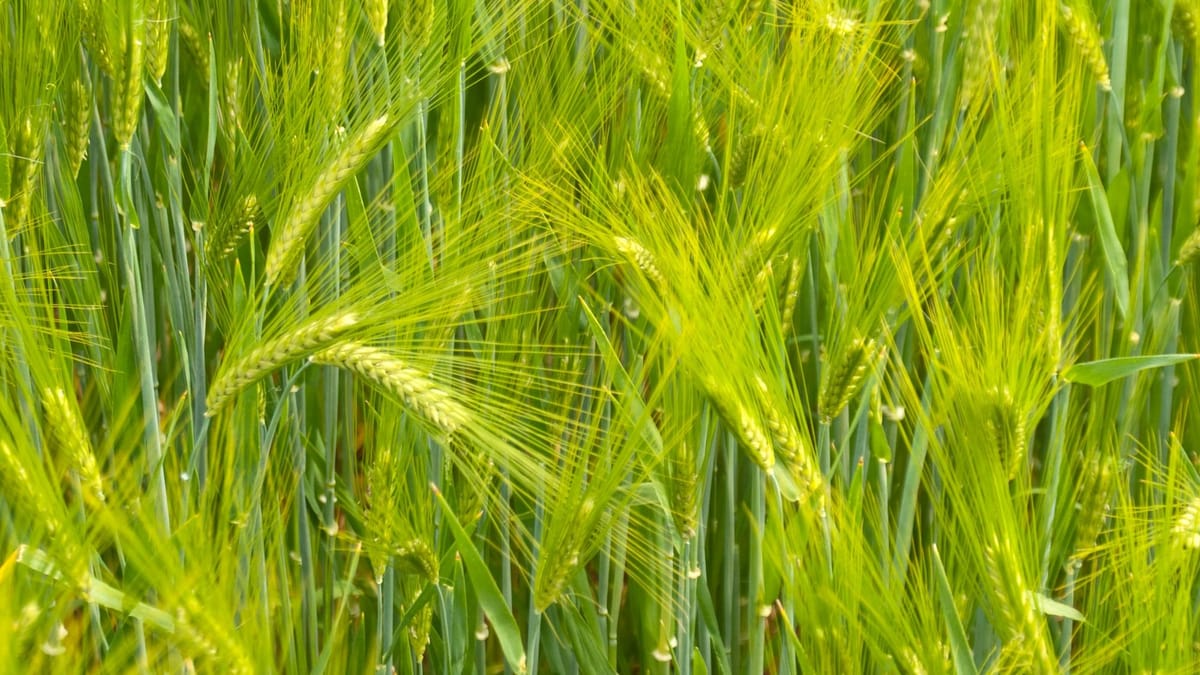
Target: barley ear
(844, 377)
(1083, 34)
(377, 18)
(78, 121)
(127, 101)
(417, 391)
(643, 259)
(1092, 508)
(69, 433)
(157, 39)
(286, 244)
(272, 354)
(1189, 252)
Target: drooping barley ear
(1018, 620)
(287, 243)
(791, 295)
(743, 422)
(1092, 509)
(1189, 252)
(643, 259)
(1006, 428)
(377, 18)
(1186, 530)
(421, 394)
(417, 27)
(127, 104)
(78, 120)
(69, 433)
(157, 38)
(1077, 25)
(843, 378)
(272, 354)
(980, 41)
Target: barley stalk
(70, 434)
(272, 354)
(287, 243)
(417, 391)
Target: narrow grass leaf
(1096, 373)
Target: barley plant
(599, 336)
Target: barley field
(599, 336)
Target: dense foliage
(444, 336)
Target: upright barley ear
(417, 27)
(1006, 427)
(286, 244)
(1189, 252)
(791, 295)
(377, 17)
(844, 377)
(418, 392)
(1018, 620)
(980, 41)
(643, 259)
(470, 475)
(1083, 34)
(78, 121)
(27, 154)
(195, 44)
(229, 236)
(1092, 508)
(127, 104)
(274, 353)
(157, 42)
(684, 483)
(94, 38)
(1186, 20)
(69, 433)
(1186, 530)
